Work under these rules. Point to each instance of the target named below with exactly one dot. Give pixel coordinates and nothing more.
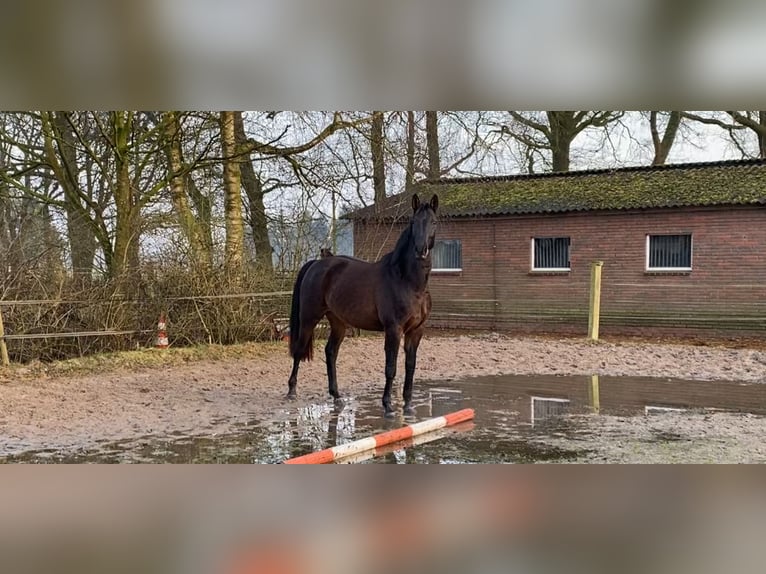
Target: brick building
(682, 246)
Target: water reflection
(514, 414)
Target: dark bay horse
(390, 295)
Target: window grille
(669, 252)
(550, 253)
(447, 255)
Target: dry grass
(142, 359)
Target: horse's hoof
(291, 396)
(339, 402)
(409, 411)
(389, 414)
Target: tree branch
(748, 122)
(531, 123)
(269, 149)
(711, 121)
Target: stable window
(547, 407)
(550, 253)
(669, 252)
(447, 255)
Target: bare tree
(756, 122)
(377, 145)
(31, 249)
(232, 182)
(182, 189)
(254, 191)
(409, 172)
(663, 143)
(432, 140)
(553, 132)
(746, 129)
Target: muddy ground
(688, 438)
(208, 397)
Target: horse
(390, 295)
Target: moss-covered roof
(676, 185)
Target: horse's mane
(396, 257)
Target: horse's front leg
(411, 343)
(393, 338)
(337, 333)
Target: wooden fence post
(593, 394)
(595, 299)
(3, 347)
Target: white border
(670, 269)
(656, 409)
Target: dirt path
(208, 397)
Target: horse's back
(347, 286)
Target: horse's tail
(298, 348)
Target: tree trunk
(662, 145)
(409, 182)
(762, 134)
(123, 233)
(232, 183)
(126, 234)
(432, 142)
(5, 226)
(54, 261)
(204, 208)
(82, 240)
(16, 222)
(201, 249)
(560, 155)
(561, 136)
(253, 187)
(378, 162)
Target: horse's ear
(435, 202)
(415, 202)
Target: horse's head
(424, 225)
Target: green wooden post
(595, 299)
(3, 346)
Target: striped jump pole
(371, 443)
(407, 443)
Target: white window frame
(548, 269)
(450, 269)
(668, 269)
(656, 409)
(543, 399)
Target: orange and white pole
(370, 443)
(407, 443)
(162, 334)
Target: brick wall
(724, 294)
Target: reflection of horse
(390, 295)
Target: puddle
(514, 416)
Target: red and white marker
(370, 443)
(162, 334)
(407, 443)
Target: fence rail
(12, 303)
(271, 316)
(77, 334)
